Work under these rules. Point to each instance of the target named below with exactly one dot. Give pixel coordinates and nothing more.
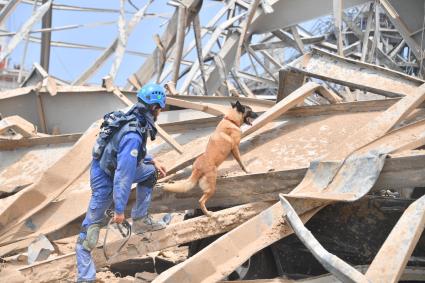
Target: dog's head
(244, 112)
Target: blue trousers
(102, 185)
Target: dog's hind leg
(202, 202)
(207, 184)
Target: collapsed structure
(337, 145)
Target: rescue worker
(119, 160)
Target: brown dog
(225, 139)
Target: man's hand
(119, 218)
(161, 168)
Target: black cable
(134, 6)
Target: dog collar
(226, 118)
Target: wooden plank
(138, 245)
(33, 141)
(389, 263)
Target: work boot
(147, 224)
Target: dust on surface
(30, 165)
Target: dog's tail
(183, 185)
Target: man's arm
(158, 165)
(148, 159)
(125, 172)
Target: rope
(109, 213)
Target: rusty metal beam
(147, 70)
(243, 242)
(287, 103)
(352, 167)
(180, 34)
(46, 22)
(194, 69)
(288, 82)
(330, 262)
(337, 14)
(108, 81)
(212, 264)
(396, 20)
(288, 13)
(8, 9)
(330, 67)
(124, 34)
(138, 245)
(228, 56)
(25, 29)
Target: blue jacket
(124, 152)
(125, 172)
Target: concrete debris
(40, 249)
(11, 275)
(339, 88)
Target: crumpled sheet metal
(342, 270)
(348, 173)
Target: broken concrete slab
(40, 249)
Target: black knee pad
(151, 181)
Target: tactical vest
(114, 127)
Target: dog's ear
(239, 107)
(233, 104)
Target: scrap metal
(313, 143)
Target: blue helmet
(153, 93)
